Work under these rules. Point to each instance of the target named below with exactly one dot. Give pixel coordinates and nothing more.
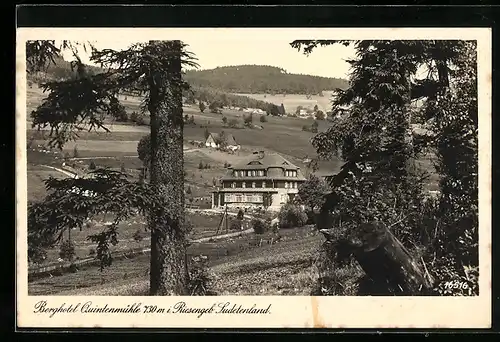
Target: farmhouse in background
(266, 180)
(214, 140)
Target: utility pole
(225, 215)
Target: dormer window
(261, 173)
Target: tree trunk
(168, 272)
(389, 266)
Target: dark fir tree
(153, 70)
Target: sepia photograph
(224, 164)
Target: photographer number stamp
(456, 285)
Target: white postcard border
(285, 311)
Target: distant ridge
(262, 79)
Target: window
(261, 173)
(264, 184)
(295, 185)
(249, 198)
(295, 173)
(233, 185)
(286, 185)
(228, 198)
(249, 173)
(238, 198)
(253, 184)
(253, 173)
(284, 198)
(244, 185)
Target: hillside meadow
(292, 101)
(283, 135)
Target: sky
(214, 50)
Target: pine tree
(155, 69)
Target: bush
(67, 251)
(75, 152)
(233, 123)
(138, 237)
(236, 224)
(137, 118)
(306, 128)
(292, 215)
(263, 118)
(92, 165)
(248, 119)
(117, 110)
(259, 226)
(36, 254)
(240, 215)
(92, 252)
(200, 279)
(200, 165)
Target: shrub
(67, 250)
(138, 237)
(92, 165)
(92, 252)
(117, 110)
(306, 128)
(200, 279)
(137, 118)
(224, 120)
(292, 215)
(240, 215)
(259, 226)
(236, 224)
(36, 254)
(75, 152)
(233, 123)
(320, 115)
(263, 118)
(248, 119)
(200, 165)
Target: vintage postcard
(253, 178)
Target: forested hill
(259, 79)
(60, 70)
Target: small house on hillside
(217, 140)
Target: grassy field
(280, 134)
(241, 266)
(291, 101)
(204, 225)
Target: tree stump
(387, 262)
(389, 267)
